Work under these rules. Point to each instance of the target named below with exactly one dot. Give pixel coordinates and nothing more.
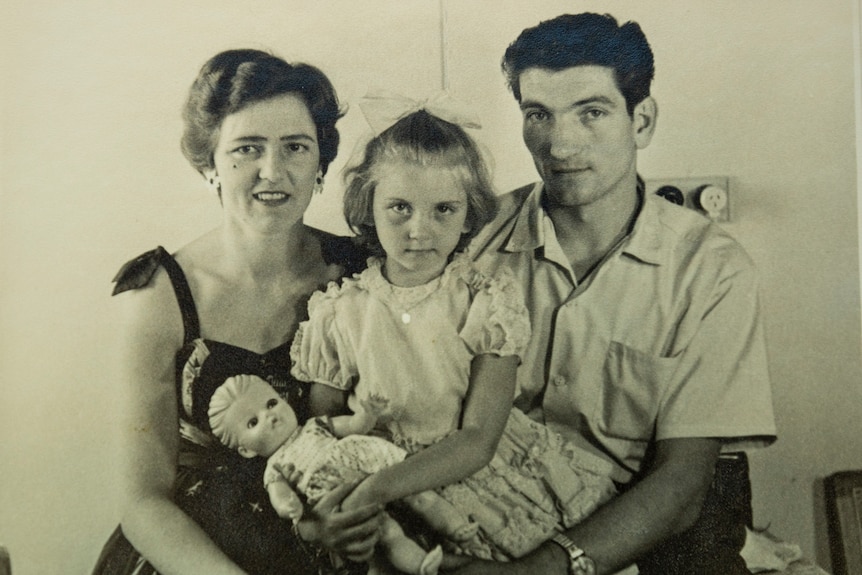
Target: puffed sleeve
(319, 352)
(498, 321)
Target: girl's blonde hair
(421, 139)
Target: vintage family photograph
(462, 287)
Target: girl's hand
(361, 496)
(352, 534)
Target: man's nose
(566, 139)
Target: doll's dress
(217, 488)
(327, 461)
(413, 346)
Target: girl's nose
(417, 228)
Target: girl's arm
(463, 452)
(161, 531)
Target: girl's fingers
(332, 500)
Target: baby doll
(248, 415)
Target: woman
(262, 132)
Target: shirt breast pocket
(633, 387)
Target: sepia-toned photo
(458, 287)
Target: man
(648, 343)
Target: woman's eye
(445, 209)
(401, 208)
(297, 147)
(251, 423)
(246, 150)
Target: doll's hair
(223, 397)
(420, 139)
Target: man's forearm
(666, 501)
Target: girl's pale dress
(412, 347)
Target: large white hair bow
(382, 109)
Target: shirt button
(559, 380)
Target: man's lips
(567, 170)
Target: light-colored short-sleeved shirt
(664, 339)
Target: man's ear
(644, 118)
(246, 452)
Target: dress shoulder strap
(138, 272)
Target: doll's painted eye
(251, 422)
(271, 403)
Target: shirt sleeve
(720, 382)
(498, 322)
(319, 351)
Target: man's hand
(546, 560)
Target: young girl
(425, 332)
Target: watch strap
(579, 563)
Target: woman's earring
(213, 182)
(318, 185)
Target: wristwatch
(579, 563)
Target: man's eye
(251, 423)
(536, 116)
(594, 113)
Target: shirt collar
(644, 242)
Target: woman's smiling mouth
(271, 196)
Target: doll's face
(261, 420)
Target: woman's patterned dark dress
(222, 491)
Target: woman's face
(267, 159)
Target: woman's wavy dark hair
(420, 139)
(235, 79)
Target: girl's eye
(401, 208)
(271, 403)
(445, 209)
(251, 423)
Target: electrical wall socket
(712, 203)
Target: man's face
(582, 139)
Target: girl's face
(260, 420)
(267, 160)
(420, 213)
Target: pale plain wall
(91, 175)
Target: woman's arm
(463, 452)
(161, 531)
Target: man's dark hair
(584, 40)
